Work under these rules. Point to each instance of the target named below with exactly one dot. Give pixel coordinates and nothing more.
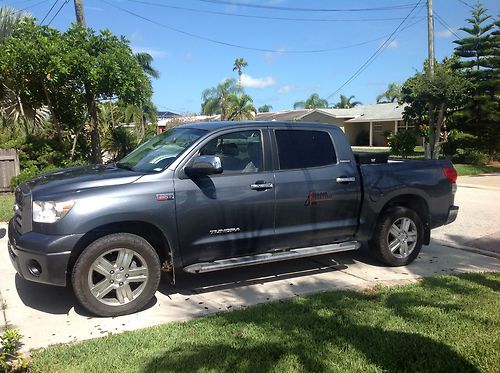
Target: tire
(398, 237)
(116, 275)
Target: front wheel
(398, 236)
(116, 275)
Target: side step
(249, 260)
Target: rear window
(304, 149)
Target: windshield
(159, 152)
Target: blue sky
(189, 64)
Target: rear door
(230, 214)
(317, 196)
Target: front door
(317, 197)
(230, 214)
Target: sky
(315, 49)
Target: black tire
(139, 275)
(380, 244)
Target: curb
(468, 248)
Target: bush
(403, 142)
(472, 156)
(363, 138)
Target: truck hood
(78, 178)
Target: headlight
(50, 211)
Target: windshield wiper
(124, 166)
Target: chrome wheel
(118, 276)
(402, 237)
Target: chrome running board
(249, 260)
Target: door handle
(349, 179)
(261, 186)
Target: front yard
(6, 203)
(447, 323)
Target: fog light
(35, 268)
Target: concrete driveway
(47, 315)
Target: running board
(249, 260)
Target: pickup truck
(211, 196)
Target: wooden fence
(9, 167)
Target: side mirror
(204, 165)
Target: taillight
(451, 174)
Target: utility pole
(80, 16)
(432, 148)
(95, 138)
(430, 37)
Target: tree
(392, 94)
(346, 103)
(265, 108)
(8, 18)
(69, 72)
(312, 102)
(215, 99)
(479, 59)
(240, 108)
(239, 64)
(445, 93)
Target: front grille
(18, 210)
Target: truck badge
(165, 196)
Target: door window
(240, 152)
(304, 149)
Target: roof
(286, 115)
(367, 113)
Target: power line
(274, 7)
(445, 24)
(374, 55)
(60, 8)
(466, 4)
(50, 10)
(161, 5)
(227, 44)
(30, 6)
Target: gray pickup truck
(210, 196)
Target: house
(364, 125)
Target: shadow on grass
(330, 331)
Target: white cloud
(258, 83)
(136, 37)
(273, 56)
(155, 53)
(188, 56)
(286, 88)
(393, 44)
(446, 33)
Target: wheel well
(417, 204)
(148, 231)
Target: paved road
(47, 315)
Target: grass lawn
(448, 323)
(469, 169)
(6, 203)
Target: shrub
(403, 142)
(10, 358)
(363, 138)
(472, 156)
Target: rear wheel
(398, 236)
(116, 275)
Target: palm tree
(265, 108)
(313, 102)
(8, 17)
(145, 61)
(240, 108)
(392, 94)
(215, 99)
(239, 64)
(346, 103)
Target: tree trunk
(96, 156)
(21, 109)
(54, 115)
(437, 134)
(432, 127)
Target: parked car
(210, 196)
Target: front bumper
(41, 257)
(452, 214)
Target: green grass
(469, 169)
(6, 203)
(447, 323)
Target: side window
(240, 152)
(303, 149)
